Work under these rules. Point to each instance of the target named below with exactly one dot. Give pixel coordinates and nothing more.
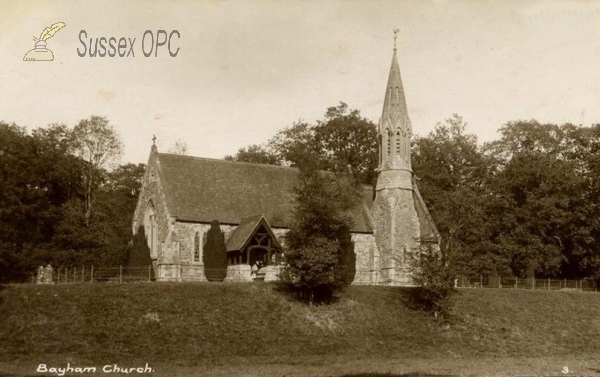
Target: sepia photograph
(300, 188)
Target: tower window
(389, 141)
(398, 142)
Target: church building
(182, 195)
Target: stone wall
(367, 259)
(397, 233)
(152, 194)
(177, 262)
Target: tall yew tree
(320, 257)
(215, 253)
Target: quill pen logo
(40, 53)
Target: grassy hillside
(240, 325)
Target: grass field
(186, 329)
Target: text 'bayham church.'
(182, 195)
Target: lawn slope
(218, 324)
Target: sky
(246, 69)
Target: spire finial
(395, 36)
(153, 140)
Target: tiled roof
(202, 189)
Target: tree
(139, 254)
(494, 279)
(256, 154)
(452, 173)
(36, 179)
(180, 147)
(433, 273)
(542, 173)
(215, 254)
(318, 242)
(116, 200)
(342, 140)
(346, 139)
(98, 145)
(43, 216)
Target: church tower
(395, 219)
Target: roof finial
(153, 140)
(395, 36)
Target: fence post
(83, 274)
(74, 274)
(516, 282)
(480, 281)
(149, 272)
(565, 282)
(533, 282)
(120, 273)
(548, 283)
(92, 275)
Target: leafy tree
(180, 147)
(452, 173)
(309, 272)
(295, 146)
(433, 273)
(319, 248)
(256, 154)
(43, 216)
(37, 178)
(346, 139)
(342, 140)
(98, 145)
(541, 173)
(215, 254)
(115, 203)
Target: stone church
(253, 203)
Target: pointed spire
(394, 105)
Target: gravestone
(49, 274)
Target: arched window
(197, 247)
(398, 142)
(151, 229)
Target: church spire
(394, 105)
(395, 130)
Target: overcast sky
(247, 69)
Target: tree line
(64, 199)
(527, 200)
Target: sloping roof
(248, 226)
(202, 189)
(429, 231)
